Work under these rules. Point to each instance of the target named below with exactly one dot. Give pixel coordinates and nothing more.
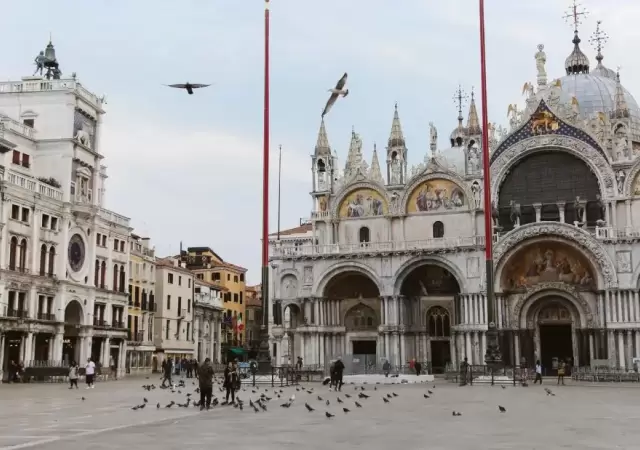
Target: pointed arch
(13, 253)
(23, 254)
(43, 259)
(122, 278)
(115, 277)
(103, 274)
(52, 259)
(96, 274)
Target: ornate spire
(457, 135)
(622, 109)
(577, 62)
(473, 123)
(374, 172)
(396, 138)
(598, 39)
(322, 145)
(354, 157)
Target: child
(73, 375)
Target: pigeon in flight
(188, 86)
(335, 93)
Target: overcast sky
(188, 168)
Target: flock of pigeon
(359, 396)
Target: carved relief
(307, 277)
(547, 262)
(623, 262)
(386, 266)
(580, 237)
(289, 287)
(473, 267)
(592, 157)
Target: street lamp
(493, 357)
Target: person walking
(230, 381)
(73, 375)
(538, 373)
(386, 368)
(90, 373)
(418, 368)
(168, 369)
(561, 369)
(205, 379)
(338, 368)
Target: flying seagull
(188, 86)
(335, 93)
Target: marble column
(629, 348)
(403, 356)
(614, 215)
(592, 355)
(538, 209)
(628, 211)
(516, 340)
(28, 346)
(637, 349)
(561, 206)
(621, 352)
(4, 242)
(2, 344)
(483, 346)
(468, 353)
(452, 351)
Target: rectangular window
(189, 283)
(188, 305)
(25, 214)
(215, 276)
(25, 160)
(241, 297)
(235, 278)
(188, 330)
(168, 302)
(235, 298)
(29, 122)
(200, 276)
(170, 278)
(168, 330)
(15, 212)
(16, 157)
(228, 277)
(45, 221)
(98, 238)
(179, 280)
(115, 244)
(104, 240)
(54, 223)
(122, 246)
(179, 305)
(242, 277)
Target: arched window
(96, 275)
(43, 259)
(115, 277)
(438, 229)
(103, 273)
(13, 249)
(121, 278)
(23, 254)
(364, 235)
(439, 323)
(52, 259)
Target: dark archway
(351, 285)
(292, 316)
(438, 322)
(548, 178)
(429, 279)
(73, 313)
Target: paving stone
(51, 417)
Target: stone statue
(620, 177)
(602, 210)
(394, 201)
(395, 172)
(39, 62)
(495, 215)
(622, 146)
(579, 208)
(515, 213)
(83, 137)
(433, 134)
(514, 116)
(541, 60)
(475, 188)
(474, 159)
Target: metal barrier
(482, 374)
(604, 375)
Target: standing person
(168, 370)
(538, 373)
(113, 367)
(73, 375)
(561, 370)
(386, 368)
(418, 368)
(205, 378)
(230, 381)
(464, 368)
(299, 363)
(338, 368)
(90, 373)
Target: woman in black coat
(230, 381)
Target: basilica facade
(390, 265)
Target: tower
(473, 140)
(396, 153)
(322, 167)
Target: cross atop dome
(575, 14)
(460, 98)
(577, 62)
(598, 39)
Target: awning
(237, 350)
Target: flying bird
(502, 409)
(188, 86)
(335, 93)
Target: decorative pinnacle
(598, 39)
(575, 14)
(460, 99)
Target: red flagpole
(493, 356)
(265, 184)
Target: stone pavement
(51, 417)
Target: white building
(393, 266)
(174, 334)
(208, 307)
(63, 256)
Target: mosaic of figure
(363, 203)
(436, 195)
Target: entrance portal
(555, 345)
(440, 356)
(364, 356)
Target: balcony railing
(17, 127)
(47, 316)
(118, 325)
(41, 85)
(612, 233)
(319, 214)
(135, 337)
(97, 322)
(17, 313)
(34, 185)
(110, 216)
(369, 247)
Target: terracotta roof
(168, 262)
(213, 285)
(297, 230)
(202, 250)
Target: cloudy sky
(188, 168)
